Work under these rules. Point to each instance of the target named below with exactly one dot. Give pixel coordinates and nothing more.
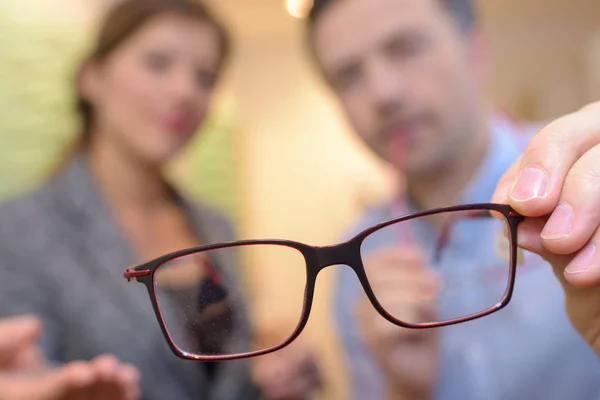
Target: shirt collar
(503, 150)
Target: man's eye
(347, 77)
(408, 46)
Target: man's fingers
(528, 235)
(583, 271)
(398, 278)
(505, 183)
(402, 294)
(387, 264)
(406, 308)
(577, 215)
(295, 378)
(16, 335)
(290, 374)
(574, 271)
(292, 387)
(548, 158)
(396, 255)
(383, 333)
(406, 292)
(580, 277)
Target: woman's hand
(25, 374)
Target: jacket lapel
(107, 253)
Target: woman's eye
(205, 79)
(157, 62)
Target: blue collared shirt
(528, 350)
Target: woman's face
(152, 93)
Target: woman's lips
(177, 124)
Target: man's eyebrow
(390, 39)
(401, 34)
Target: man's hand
(556, 184)
(24, 374)
(289, 374)
(405, 287)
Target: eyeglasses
(203, 314)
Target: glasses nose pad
(347, 253)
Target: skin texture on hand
(556, 185)
(17, 352)
(289, 374)
(404, 286)
(25, 375)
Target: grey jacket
(62, 257)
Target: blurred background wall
(539, 51)
(276, 155)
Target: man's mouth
(400, 138)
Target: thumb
(16, 335)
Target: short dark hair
(463, 11)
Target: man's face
(406, 75)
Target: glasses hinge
(132, 273)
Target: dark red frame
(318, 258)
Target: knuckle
(592, 174)
(584, 178)
(544, 150)
(562, 128)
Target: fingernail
(583, 261)
(530, 184)
(559, 224)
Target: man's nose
(386, 84)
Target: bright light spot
(298, 8)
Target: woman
(142, 94)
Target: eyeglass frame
(318, 258)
